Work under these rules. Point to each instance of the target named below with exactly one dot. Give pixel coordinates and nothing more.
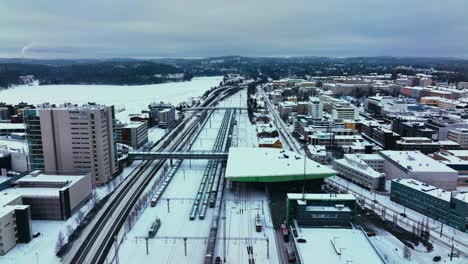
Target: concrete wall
(80, 192)
(8, 235)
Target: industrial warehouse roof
(271, 165)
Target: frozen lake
(134, 98)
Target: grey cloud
(185, 28)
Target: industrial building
(444, 206)
(51, 197)
(417, 166)
(365, 170)
(134, 134)
(73, 139)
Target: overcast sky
(191, 28)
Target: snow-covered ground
(43, 247)
(175, 221)
(242, 206)
(392, 250)
(133, 98)
(243, 203)
(404, 222)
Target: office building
(417, 166)
(447, 207)
(51, 197)
(162, 114)
(343, 111)
(73, 139)
(134, 134)
(459, 135)
(365, 170)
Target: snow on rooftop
(357, 163)
(352, 243)
(12, 126)
(426, 188)
(13, 145)
(415, 161)
(271, 165)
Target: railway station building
(269, 165)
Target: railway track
(282, 128)
(407, 225)
(97, 239)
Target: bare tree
(94, 199)
(80, 215)
(69, 230)
(407, 253)
(60, 242)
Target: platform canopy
(272, 165)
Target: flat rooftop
(415, 161)
(321, 196)
(353, 244)
(432, 190)
(12, 126)
(358, 164)
(272, 165)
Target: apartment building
(73, 139)
(315, 108)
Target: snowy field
(133, 98)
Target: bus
(258, 223)
(154, 227)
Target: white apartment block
(315, 108)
